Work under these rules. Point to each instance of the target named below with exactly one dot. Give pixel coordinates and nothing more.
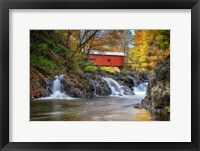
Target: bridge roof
(95, 52)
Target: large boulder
(158, 92)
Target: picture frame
(5, 5)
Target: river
(98, 109)
(116, 107)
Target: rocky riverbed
(97, 85)
(89, 85)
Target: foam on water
(57, 92)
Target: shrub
(110, 69)
(91, 69)
(42, 62)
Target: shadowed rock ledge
(158, 91)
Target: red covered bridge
(114, 59)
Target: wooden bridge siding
(117, 61)
(102, 60)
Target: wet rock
(48, 88)
(86, 85)
(102, 89)
(158, 92)
(127, 90)
(77, 93)
(137, 106)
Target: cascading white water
(56, 84)
(57, 92)
(140, 89)
(115, 87)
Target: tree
(70, 49)
(150, 48)
(107, 40)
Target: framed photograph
(99, 75)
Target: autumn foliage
(150, 48)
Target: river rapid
(118, 106)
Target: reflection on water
(98, 109)
(143, 115)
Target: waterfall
(115, 87)
(57, 89)
(118, 90)
(140, 89)
(57, 84)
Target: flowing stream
(116, 107)
(116, 88)
(140, 89)
(57, 90)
